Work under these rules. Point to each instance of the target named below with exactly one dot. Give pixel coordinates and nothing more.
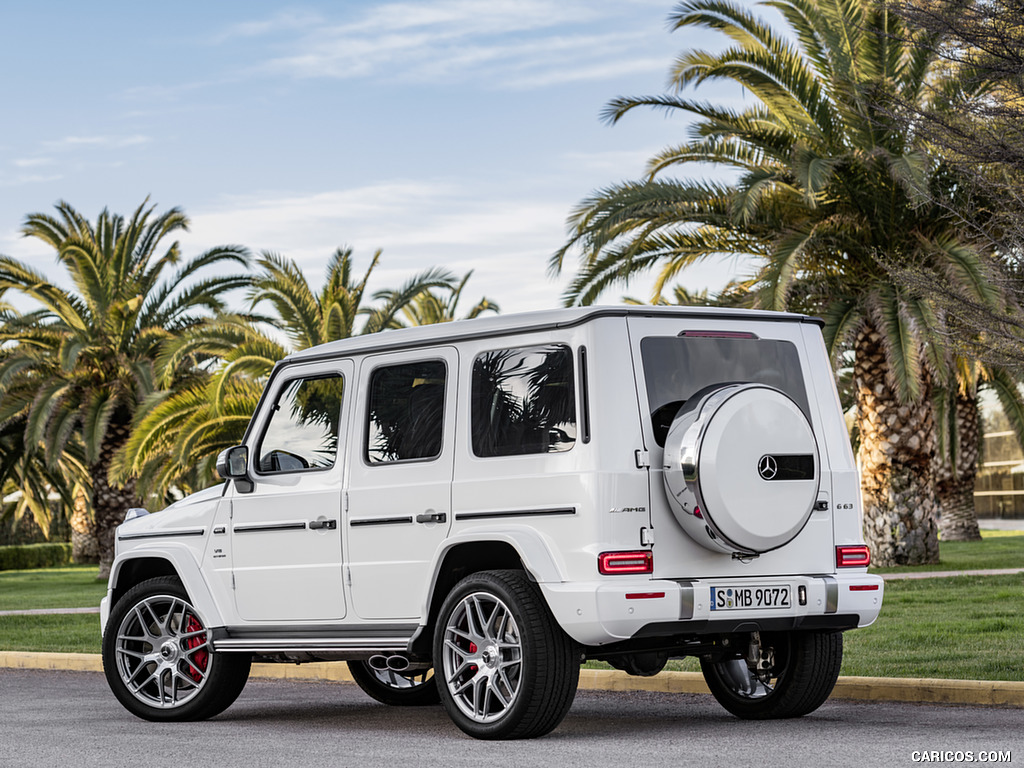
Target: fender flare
(182, 560)
(537, 555)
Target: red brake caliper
(201, 657)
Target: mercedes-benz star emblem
(767, 467)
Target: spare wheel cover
(746, 457)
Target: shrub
(26, 556)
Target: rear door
(400, 478)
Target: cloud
(32, 162)
(417, 225)
(28, 178)
(105, 142)
(501, 43)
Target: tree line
(875, 180)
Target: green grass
(62, 633)
(963, 627)
(72, 587)
(997, 549)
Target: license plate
(747, 598)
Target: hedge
(24, 556)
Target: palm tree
(83, 363)
(429, 308)
(959, 449)
(179, 434)
(826, 198)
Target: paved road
(70, 719)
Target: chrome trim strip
(685, 599)
(831, 594)
(299, 645)
(515, 513)
(379, 521)
(162, 534)
(268, 527)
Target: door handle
(431, 517)
(330, 525)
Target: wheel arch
(135, 567)
(522, 550)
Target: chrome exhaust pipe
(397, 663)
(379, 662)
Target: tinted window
(523, 401)
(303, 428)
(406, 416)
(675, 368)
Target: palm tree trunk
(109, 502)
(955, 485)
(84, 547)
(897, 449)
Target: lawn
(71, 587)
(997, 549)
(963, 627)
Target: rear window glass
(676, 368)
(523, 401)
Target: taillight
(853, 556)
(614, 563)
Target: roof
(524, 322)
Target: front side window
(406, 413)
(677, 368)
(303, 429)
(523, 401)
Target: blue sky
(455, 133)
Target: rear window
(678, 367)
(523, 401)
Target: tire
(396, 689)
(505, 669)
(805, 669)
(158, 660)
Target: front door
(286, 533)
(400, 476)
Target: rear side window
(303, 430)
(406, 414)
(523, 401)
(677, 367)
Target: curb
(919, 690)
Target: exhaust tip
(379, 662)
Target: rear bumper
(608, 611)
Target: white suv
(467, 511)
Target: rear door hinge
(642, 458)
(646, 537)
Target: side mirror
(233, 463)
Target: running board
(310, 644)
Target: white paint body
(254, 567)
